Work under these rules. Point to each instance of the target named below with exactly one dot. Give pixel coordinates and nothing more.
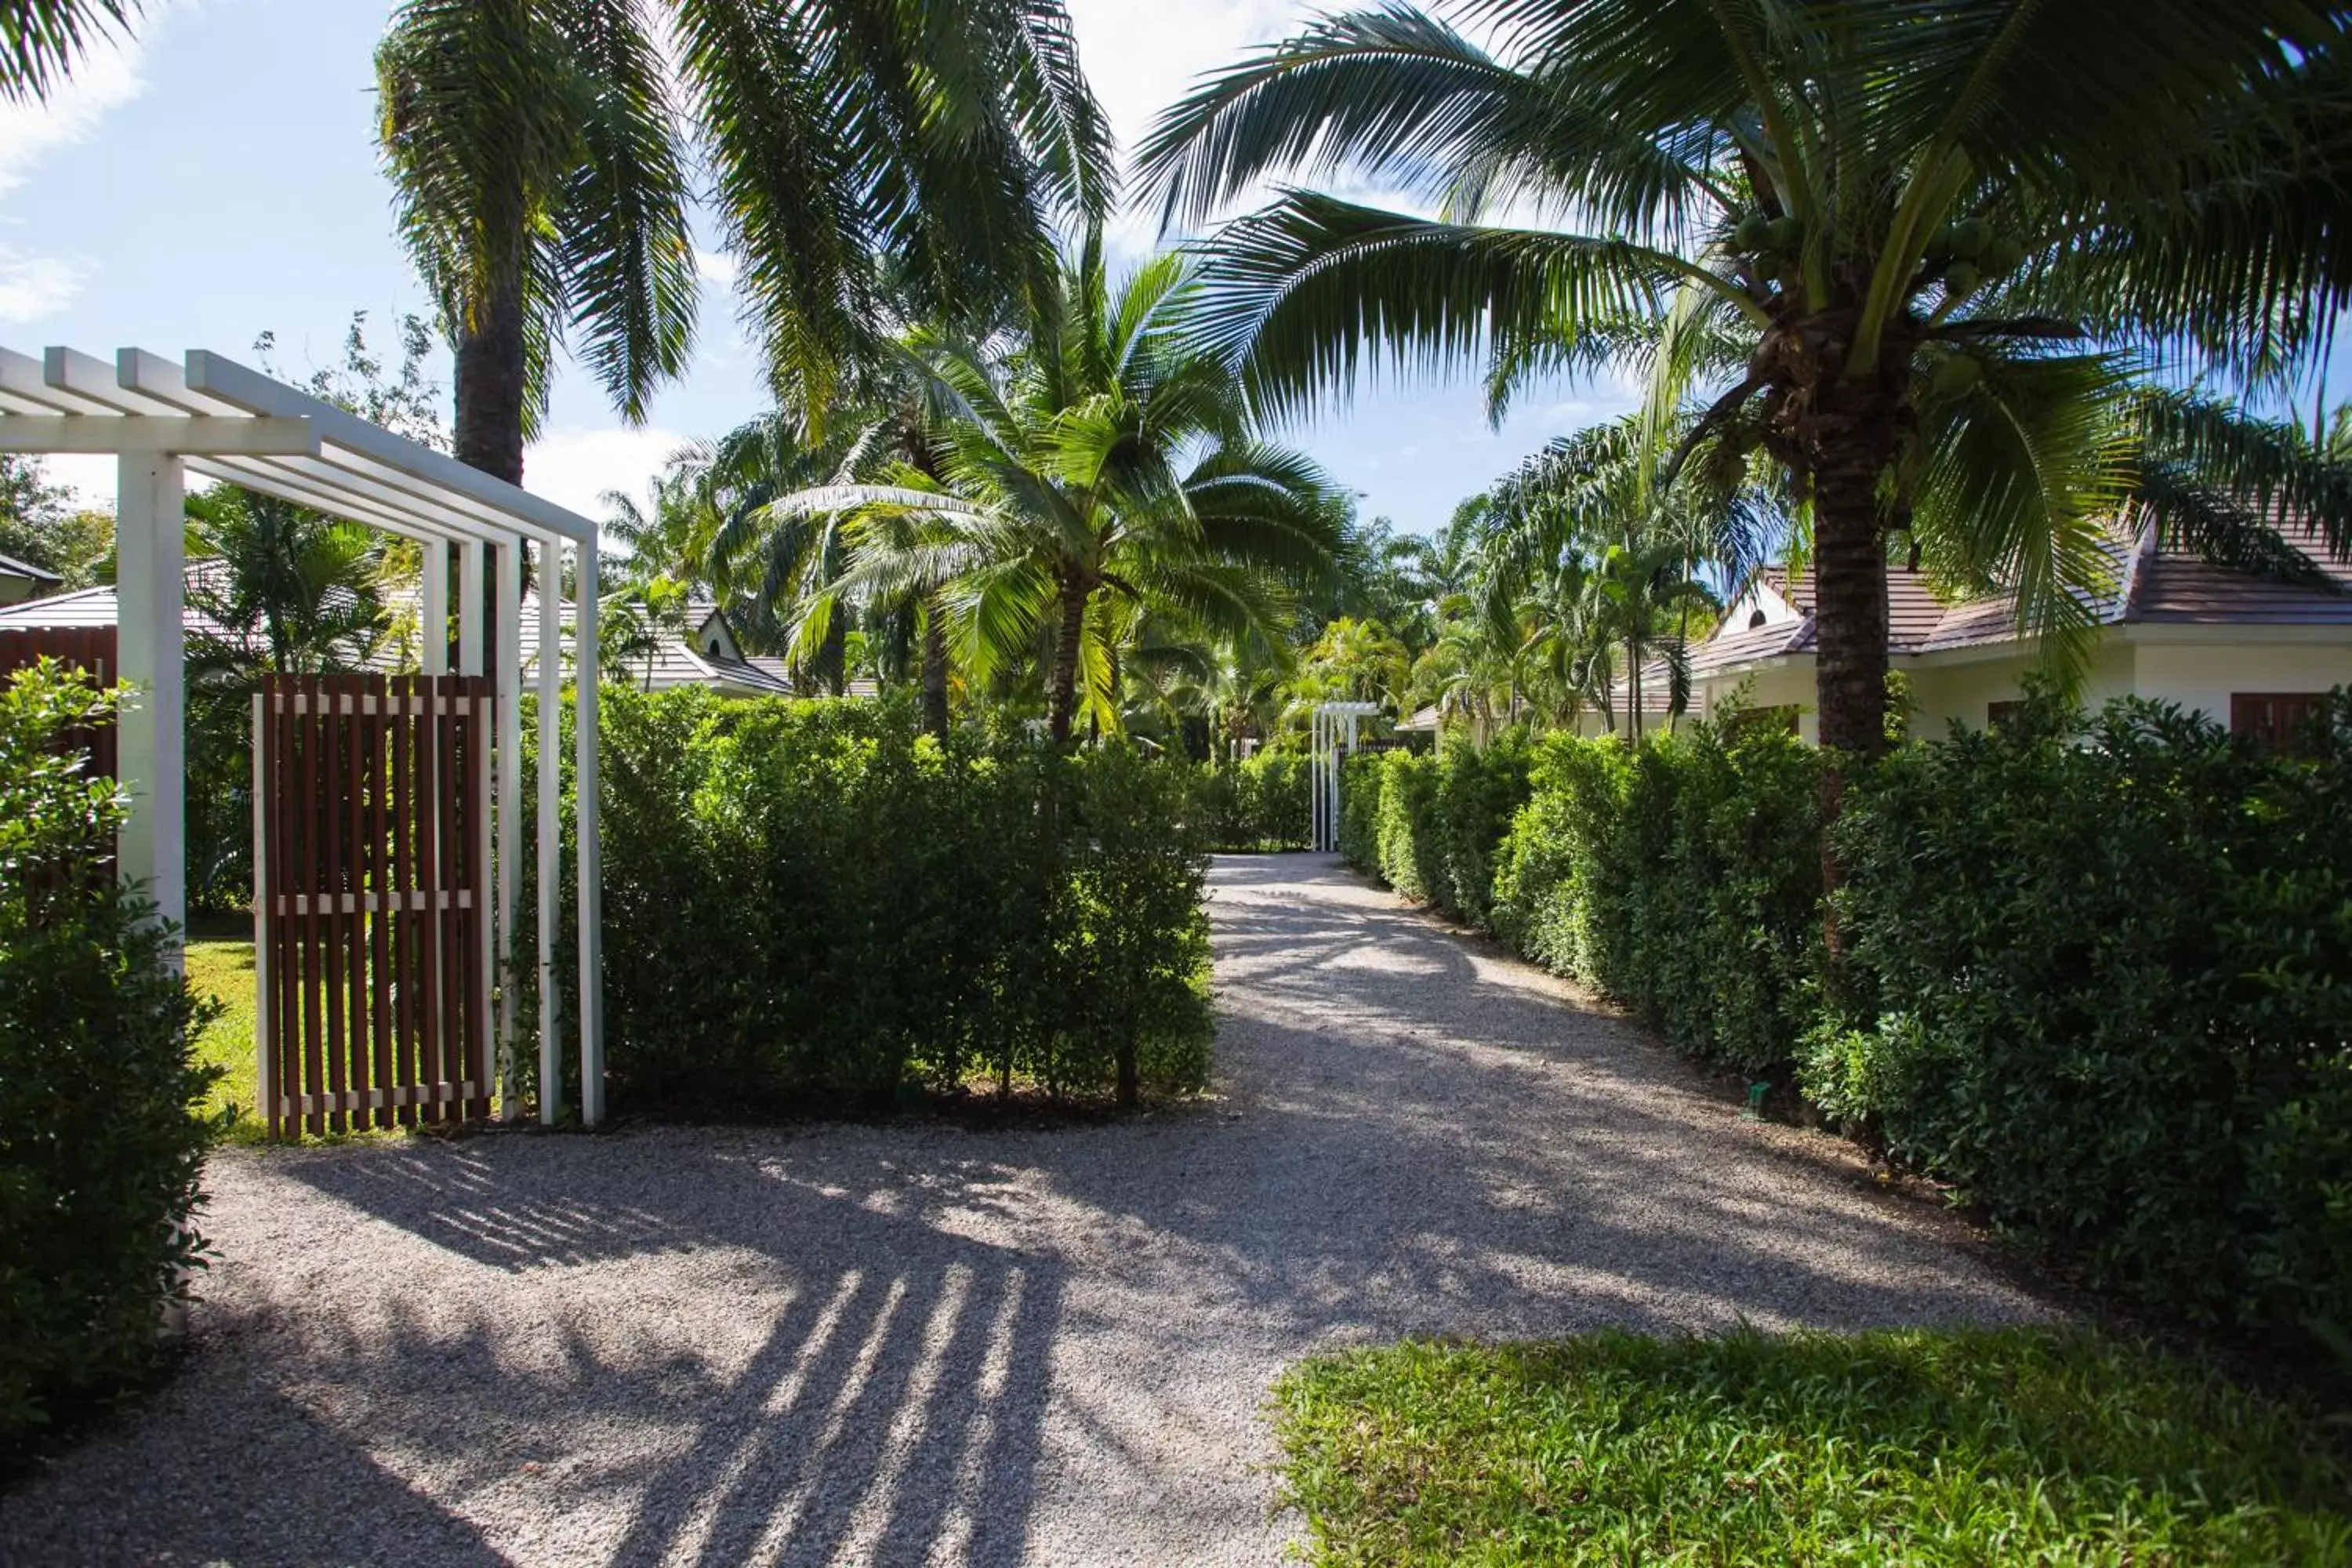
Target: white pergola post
(1327, 750)
(469, 606)
(585, 679)
(151, 592)
(551, 753)
(433, 610)
(507, 760)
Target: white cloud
(575, 467)
(714, 267)
(103, 81)
(34, 286)
(1143, 55)
(92, 479)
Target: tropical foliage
(1909, 257)
(2125, 1043)
(993, 912)
(1098, 476)
(101, 1147)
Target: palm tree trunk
(492, 382)
(1849, 613)
(935, 666)
(1850, 661)
(1061, 697)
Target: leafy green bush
(1683, 878)
(1258, 804)
(2099, 972)
(810, 901)
(101, 1149)
(2101, 978)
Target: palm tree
(542, 179)
(1106, 466)
(40, 41)
(1894, 239)
(1595, 543)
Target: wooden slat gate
(372, 878)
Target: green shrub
(101, 1149)
(1477, 792)
(1683, 878)
(1258, 804)
(808, 900)
(2101, 978)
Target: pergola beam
(182, 434)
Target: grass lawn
(1914, 1447)
(223, 969)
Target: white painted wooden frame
(212, 416)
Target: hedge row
(806, 903)
(2098, 972)
(101, 1142)
(1256, 804)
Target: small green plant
(1915, 1447)
(101, 1143)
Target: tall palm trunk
(1853, 433)
(492, 382)
(935, 666)
(1849, 619)
(1061, 697)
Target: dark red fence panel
(371, 892)
(84, 648)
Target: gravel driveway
(896, 1345)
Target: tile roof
(2148, 587)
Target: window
(2276, 720)
(1999, 713)
(1755, 620)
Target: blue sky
(219, 178)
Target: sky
(218, 178)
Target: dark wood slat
(313, 1056)
(404, 922)
(326, 726)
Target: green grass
(223, 969)
(1977, 1447)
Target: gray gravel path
(854, 1344)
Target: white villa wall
(2202, 675)
(1946, 690)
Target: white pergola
(1329, 745)
(162, 420)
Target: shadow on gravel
(945, 1343)
(907, 1372)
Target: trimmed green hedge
(2099, 971)
(1255, 805)
(2101, 979)
(101, 1142)
(805, 902)
(1430, 824)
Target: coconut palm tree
(1595, 543)
(860, 155)
(1901, 247)
(1104, 466)
(40, 41)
